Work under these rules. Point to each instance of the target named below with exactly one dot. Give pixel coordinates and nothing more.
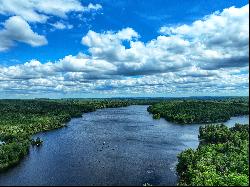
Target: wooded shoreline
(20, 119)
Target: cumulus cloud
(108, 45)
(40, 11)
(33, 77)
(207, 56)
(82, 63)
(219, 40)
(34, 11)
(18, 30)
(159, 55)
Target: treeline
(20, 119)
(221, 159)
(198, 111)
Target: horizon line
(124, 97)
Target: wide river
(117, 146)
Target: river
(114, 146)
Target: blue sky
(101, 48)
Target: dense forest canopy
(199, 111)
(222, 158)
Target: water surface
(117, 146)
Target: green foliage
(220, 160)
(156, 116)
(199, 111)
(11, 153)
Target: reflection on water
(118, 146)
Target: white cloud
(93, 39)
(159, 55)
(40, 11)
(92, 7)
(82, 63)
(185, 59)
(79, 74)
(22, 12)
(18, 30)
(34, 77)
(219, 40)
(60, 25)
(203, 44)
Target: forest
(221, 159)
(199, 111)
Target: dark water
(119, 146)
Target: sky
(123, 48)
